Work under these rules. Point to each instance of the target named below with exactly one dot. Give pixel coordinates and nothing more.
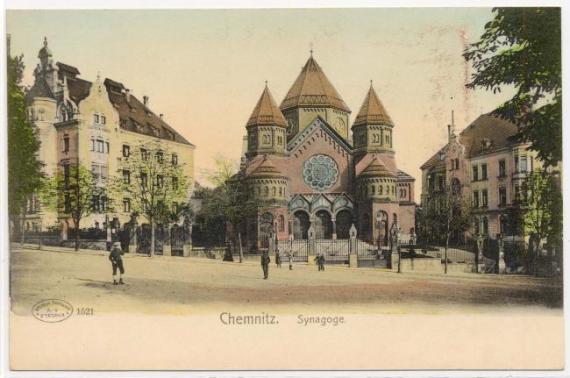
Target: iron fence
(335, 251)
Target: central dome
(313, 88)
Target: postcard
(292, 189)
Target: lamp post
(479, 255)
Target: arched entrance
(265, 228)
(382, 225)
(323, 225)
(343, 223)
(300, 224)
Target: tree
(155, 187)
(521, 48)
(74, 191)
(24, 168)
(540, 209)
(230, 202)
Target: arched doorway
(382, 225)
(323, 225)
(343, 223)
(300, 224)
(265, 228)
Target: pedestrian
(322, 262)
(117, 261)
(290, 260)
(318, 261)
(278, 258)
(265, 260)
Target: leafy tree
(24, 168)
(540, 210)
(155, 186)
(230, 203)
(521, 48)
(73, 191)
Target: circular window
(320, 172)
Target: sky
(205, 69)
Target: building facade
(96, 125)
(487, 167)
(311, 172)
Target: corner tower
(313, 94)
(373, 127)
(266, 128)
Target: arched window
(265, 191)
(455, 186)
(274, 191)
(485, 230)
(281, 223)
(380, 189)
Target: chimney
(145, 100)
(161, 115)
(128, 94)
(448, 130)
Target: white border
(234, 4)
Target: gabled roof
(266, 111)
(404, 176)
(485, 135)
(372, 111)
(78, 89)
(134, 116)
(39, 89)
(376, 169)
(298, 139)
(66, 68)
(313, 88)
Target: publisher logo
(52, 310)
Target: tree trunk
(445, 253)
(152, 237)
(76, 235)
(240, 248)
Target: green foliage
(230, 202)
(24, 168)
(521, 48)
(155, 185)
(71, 191)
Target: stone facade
(317, 178)
(92, 124)
(487, 166)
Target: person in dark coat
(265, 260)
(116, 258)
(322, 262)
(278, 258)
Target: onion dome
(266, 111)
(45, 52)
(313, 88)
(372, 111)
(265, 170)
(376, 169)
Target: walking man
(265, 260)
(290, 260)
(117, 261)
(278, 258)
(322, 262)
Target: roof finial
(311, 49)
(45, 41)
(98, 75)
(265, 83)
(371, 83)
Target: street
(173, 284)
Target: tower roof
(376, 169)
(265, 169)
(372, 111)
(313, 88)
(266, 111)
(44, 51)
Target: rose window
(320, 172)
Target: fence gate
(371, 253)
(144, 237)
(335, 251)
(177, 241)
(298, 248)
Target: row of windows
(483, 199)
(144, 179)
(99, 145)
(100, 172)
(522, 164)
(376, 138)
(145, 155)
(390, 189)
(274, 191)
(127, 208)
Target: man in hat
(265, 260)
(116, 258)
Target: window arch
(281, 223)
